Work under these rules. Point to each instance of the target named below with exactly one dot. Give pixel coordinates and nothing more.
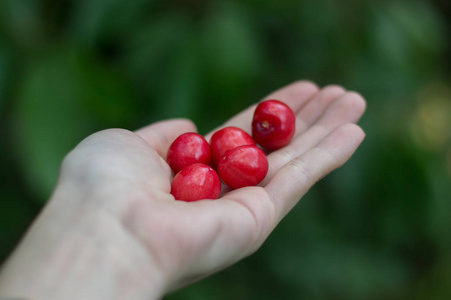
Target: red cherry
(226, 139)
(243, 166)
(273, 125)
(196, 182)
(189, 148)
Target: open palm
(182, 242)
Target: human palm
(181, 241)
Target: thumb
(160, 135)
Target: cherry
(245, 165)
(226, 139)
(273, 124)
(189, 148)
(196, 182)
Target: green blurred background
(378, 228)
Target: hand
(112, 230)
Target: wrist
(76, 249)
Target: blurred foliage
(378, 228)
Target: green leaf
(15, 216)
(421, 23)
(150, 50)
(231, 50)
(22, 20)
(179, 86)
(4, 66)
(62, 99)
(50, 120)
(405, 34)
(107, 95)
(94, 19)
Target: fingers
(261, 209)
(348, 107)
(294, 95)
(160, 135)
(310, 113)
(294, 179)
(233, 227)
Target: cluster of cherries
(232, 154)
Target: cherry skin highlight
(196, 182)
(245, 165)
(226, 139)
(189, 148)
(273, 125)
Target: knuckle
(302, 85)
(334, 89)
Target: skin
(112, 230)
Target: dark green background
(378, 228)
